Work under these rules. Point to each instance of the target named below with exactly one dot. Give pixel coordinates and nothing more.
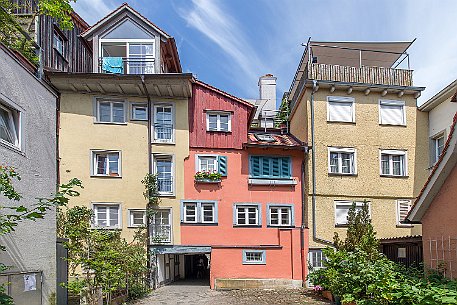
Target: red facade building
(242, 212)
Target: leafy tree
(12, 212)
(102, 259)
(283, 114)
(13, 35)
(360, 232)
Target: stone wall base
(227, 284)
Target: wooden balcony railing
(365, 74)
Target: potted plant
(207, 177)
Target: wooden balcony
(364, 74)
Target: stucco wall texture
(228, 240)
(368, 137)
(438, 224)
(32, 247)
(79, 135)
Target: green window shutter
(275, 169)
(285, 167)
(265, 166)
(222, 162)
(254, 168)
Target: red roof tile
(279, 140)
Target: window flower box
(207, 177)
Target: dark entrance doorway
(197, 267)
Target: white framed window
(106, 163)
(137, 218)
(342, 161)
(247, 215)
(403, 207)
(110, 111)
(254, 257)
(58, 43)
(316, 258)
(437, 145)
(392, 112)
(140, 112)
(107, 215)
(140, 59)
(280, 215)
(342, 209)
(393, 163)
(207, 163)
(190, 212)
(164, 169)
(340, 109)
(10, 126)
(199, 212)
(218, 121)
(160, 226)
(163, 123)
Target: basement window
(254, 257)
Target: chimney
(267, 90)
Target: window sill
(105, 228)
(247, 226)
(393, 176)
(259, 263)
(163, 142)
(12, 147)
(404, 226)
(138, 120)
(259, 181)
(341, 225)
(208, 181)
(105, 176)
(222, 131)
(281, 227)
(160, 243)
(109, 123)
(199, 223)
(398, 125)
(341, 122)
(166, 195)
(136, 226)
(342, 174)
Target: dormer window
(218, 121)
(265, 137)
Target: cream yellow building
(360, 120)
(124, 120)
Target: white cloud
(215, 23)
(93, 10)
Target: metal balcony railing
(163, 132)
(127, 65)
(160, 233)
(164, 185)
(363, 74)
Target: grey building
(28, 143)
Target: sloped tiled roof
(285, 140)
(128, 7)
(435, 171)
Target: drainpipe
(313, 164)
(148, 229)
(304, 224)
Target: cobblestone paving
(192, 293)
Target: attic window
(265, 137)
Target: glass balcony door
(140, 58)
(126, 57)
(161, 226)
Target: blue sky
(230, 43)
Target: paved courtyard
(195, 293)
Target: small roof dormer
(126, 42)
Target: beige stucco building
(360, 120)
(124, 120)
(440, 110)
